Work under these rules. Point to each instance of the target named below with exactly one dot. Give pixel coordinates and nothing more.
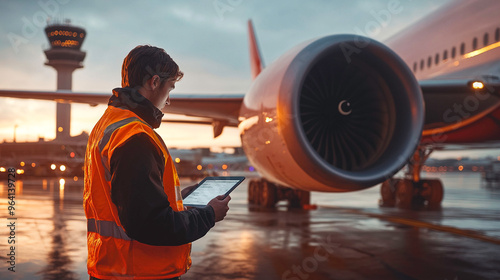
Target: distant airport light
(22, 163)
(461, 168)
(75, 178)
(20, 171)
(199, 167)
(33, 164)
(2, 169)
(268, 119)
(477, 85)
(53, 166)
(224, 166)
(62, 167)
(177, 160)
(60, 129)
(61, 183)
(72, 154)
(268, 142)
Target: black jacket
(137, 185)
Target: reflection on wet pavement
(352, 238)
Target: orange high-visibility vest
(111, 253)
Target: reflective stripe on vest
(105, 139)
(107, 228)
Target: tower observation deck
(65, 56)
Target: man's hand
(219, 204)
(186, 190)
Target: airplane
(344, 112)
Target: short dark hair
(145, 61)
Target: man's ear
(155, 82)
(152, 83)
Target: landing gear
(267, 194)
(412, 191)
(434, 192)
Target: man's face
(162, 93)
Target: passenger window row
(453, 51)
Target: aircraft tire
(388, 192)
(267, 194)
(252, 191)
(436, 195)
(404, 193)
(299, 199)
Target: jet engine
(340, 113)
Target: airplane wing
(62, 96)
(457, 114)
(461, 114)
(219, 110)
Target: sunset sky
(208, 39)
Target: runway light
(53, 166)
(60, 129)
(62, 167)
(72, 154)
(22, 163)
(33, 164)
(61, 183)
(2, 169)
(20, 171)
(477, 85)
(461, 168)
(199, 167)
(268, 119)
(75, 178)
(224, 166)
(177, 160)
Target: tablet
(209, 188)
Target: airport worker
(137, 225)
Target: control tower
(65, 56)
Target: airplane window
(462, 48)
(429, 62)
(485, 39)
(422, 63)
(415, 67)
(474, 44)
(453, 52)
(445, 55)
(497, 34)
(436, 60)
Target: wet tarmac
(347, 237)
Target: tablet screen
(209, 189)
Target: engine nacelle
(340, 113)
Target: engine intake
(346, 112)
